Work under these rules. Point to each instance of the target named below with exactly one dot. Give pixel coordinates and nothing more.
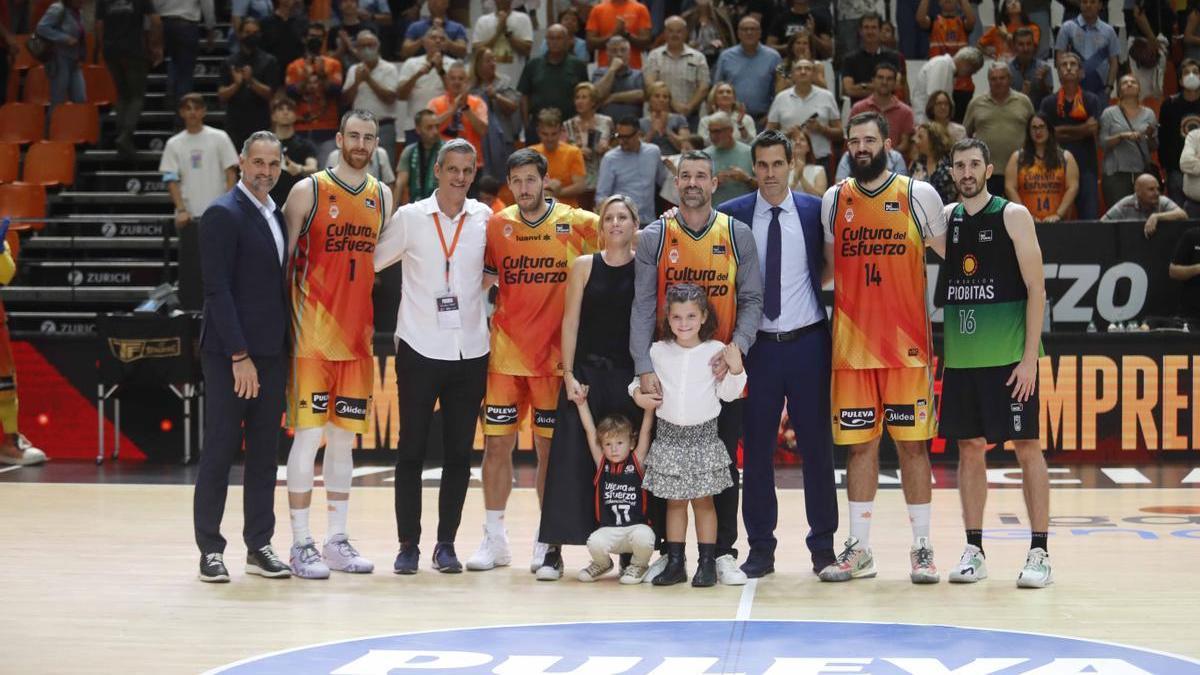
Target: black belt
(791, 335)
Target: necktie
(771, 287)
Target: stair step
(81, 294)
(52, 323)
(109, 198)
(96, 243)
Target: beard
(978, 188)
(694, 198)
(872, 170)
(354, 162)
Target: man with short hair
(620, 87)
(1075, 113)
(998, 118)
(549, 81)
(750, 67)
(248, 79)
(632, 168)
(299, 154)
(509, 35)
(422, 78)
(683, 68)
(1096, 44)
(416, 178)
(946, 73)
(1170, 142)
(1031, 75)
(1147, 205)
(460, 114)
(566, 174)
(629, 19)
(883, 101)
(731, 160)
(858, 69)
(371, 84)
(808, 108)
(455, 33)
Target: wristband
(243, 358)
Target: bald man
(683, 68)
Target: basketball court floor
(100, 577)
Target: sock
(494, 521)
(299, 525)
(860, 522)
(1038, 540)
(918, 517)
(975, 538)
(338, 510)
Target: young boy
(951, 30)
(620, 499)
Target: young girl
(687, 462)
(620, 501)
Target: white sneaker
(655, 569)
(1037, 572)
(29, 455)
(306, 561)
(343, 557)
(728, 572)
(493, 552)
(923, 569)
(971, 567)
(594, 571)
(633, 574)
(539, 553)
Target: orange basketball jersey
(531, 261)
(947, 35)
(332, 270)
(1041, 189)
(879, 297)
(709, 259)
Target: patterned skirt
(687, 462)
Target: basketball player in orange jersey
(334, 219)
(14, 447)
(877, 225)
(529, 248)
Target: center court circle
(711, 647)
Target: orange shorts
(509, 398)
(320, 391)
(865, 400)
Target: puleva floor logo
(711, 647)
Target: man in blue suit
(243, 352)
(790, 359)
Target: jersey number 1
(352, 269)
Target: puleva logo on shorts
(500, 414)
(856, 418)
(320, 402)
(544, 418)
(748, 647)
(350, 408)
(900, 415)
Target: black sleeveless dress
(603, 363)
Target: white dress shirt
(411, 237)
(268, 213)
(798, 304)
(691, 394)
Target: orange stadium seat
(10, 162)
(24, 59)
(22, 123)
(50, 163)
(23, 200)
(75, 123)
(101, 89)
(37, 86)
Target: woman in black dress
(596, 360)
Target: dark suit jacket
(245, 289)
(809, 209)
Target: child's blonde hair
(614, 425)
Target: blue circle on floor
(701, 647)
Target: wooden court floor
(101, 578)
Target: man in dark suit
(790, 359)
(243, 351)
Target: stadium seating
(77, 123)
(22, 123)
(49, 164)
(10, 162)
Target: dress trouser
(181, 39)
(458, 386)
(129, 75)
(224, 417)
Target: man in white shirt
(442, 345)
(371, 85)
(683, 68)
(807, 107)
(421, 79)
(509, 35)
(939, 73)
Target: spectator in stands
(504, 111)
(1030, 75)
(939, 110)
(752, 66)
(455, 33)
(660, 126)
(999, 41)
(883, 101)
(375, 12)
(371, 85)
(1128, 134)
(629, 19)
(1075, 113)
(950, 29)
(1185, 268)
(849, 21)
(415, 179)
(807, 108)
(509, 36)
(1146, 204)
(316, 81)
(632, 168)
(1041, 175)
(248, 80)
(489, 193)
(549, 81)
(1038, 11)
(895, 164)
(589, 131)
(949, 74)
(798, 48)
(683, 69)
(1191, 31)
(998, 118)
(807, 173)
(1096, 44)
(621, 87)
(1171, 115)
(931, 161)
(341, 41)
(709, 30)
(858, 69)
(283, 32)
(799, 16)
(1189, 165)
(198, 165)
(566, 175)
(299, 154)
(722, 98)
(459, 114)
(181, 41)
(129, 51)
(62, 27)
(240, 10)
(732, 160)
(422, 77)
(569, 18)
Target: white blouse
(691, 394)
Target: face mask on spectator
(252, 41)
(1191, 82)
(368, 54)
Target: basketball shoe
(853, 563)
(971, 567)
(306, 561)
(923, 569)
(1037, 572)
(343, 557)
(493, 552)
